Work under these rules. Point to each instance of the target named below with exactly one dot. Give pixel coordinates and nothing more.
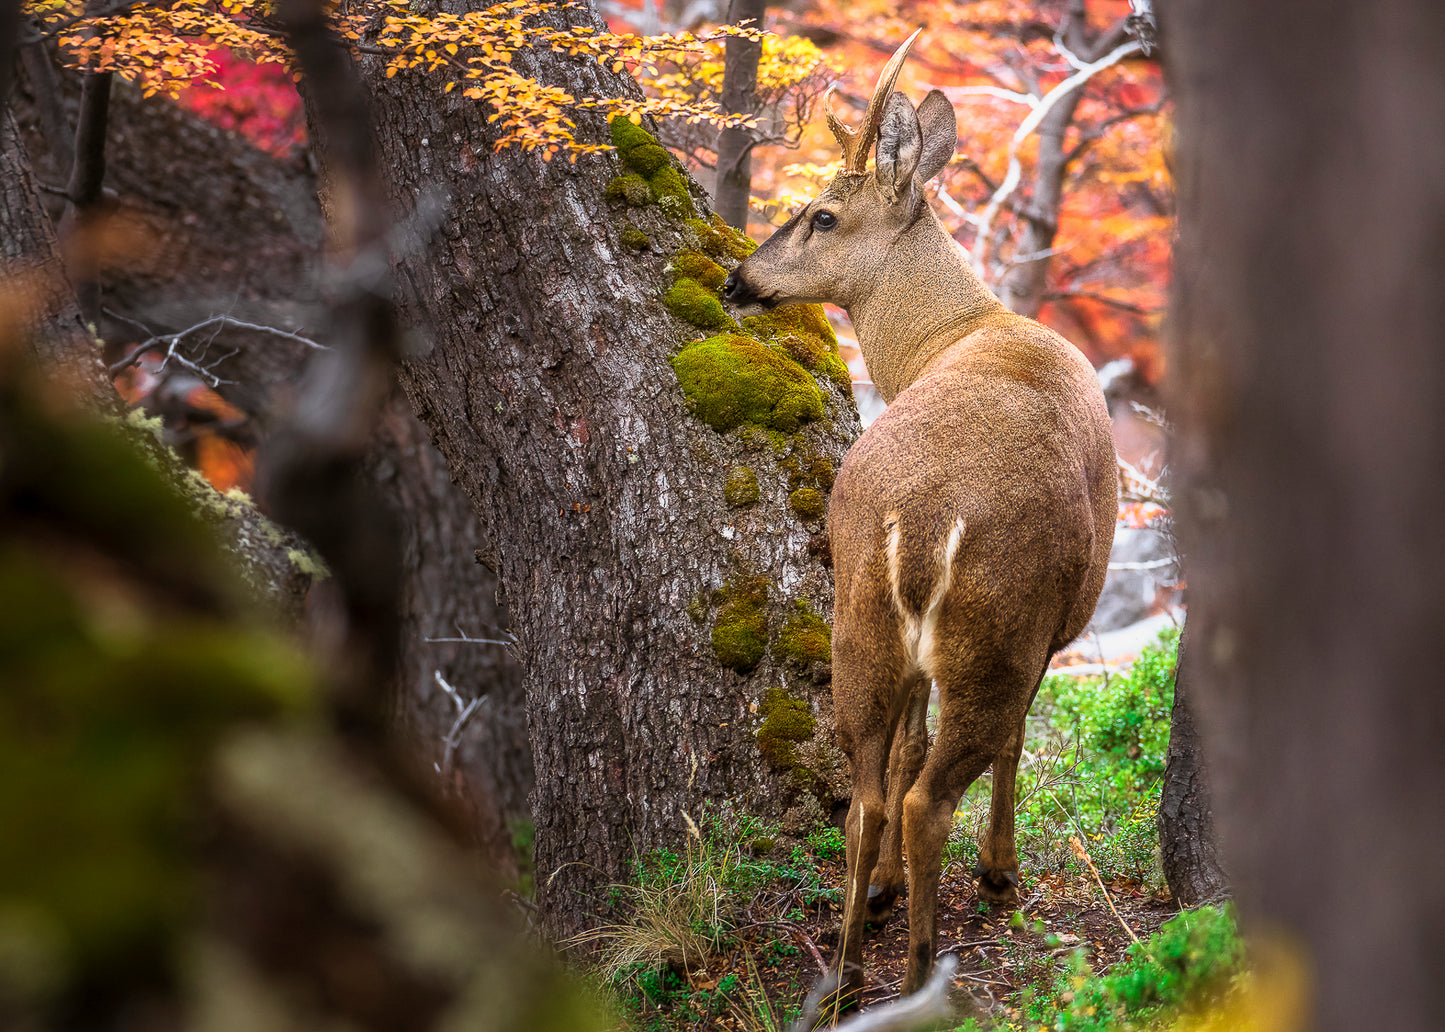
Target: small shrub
(1189, 962)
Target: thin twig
(465, 712)
(1083, 854)
(170, 341)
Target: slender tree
(740, 83)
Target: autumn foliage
(997, 60)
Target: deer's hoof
(880, 903)
(997, 886)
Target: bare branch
(465, 712)
(1103, 299)
(467, 639)
(172, 342)
(1089, 138)
(1026, 127)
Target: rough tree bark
(1307, 378)
(1187, 841)
(547, 383)
(447, 593)
(739, 97)
(31, 261)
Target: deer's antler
(857, 142)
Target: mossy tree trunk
(546, 378)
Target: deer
(970, 525)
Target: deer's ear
(940, 134)
(899, 143)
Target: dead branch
(1026, 127)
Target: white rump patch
(919, 631)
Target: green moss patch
(630, 189)
(787, 722)
(730, 380)
(803, 331)
(649, 164)
(693, 303)
(719, 240)
(741, 488)
(805, 639)
(740, 635)
(701, 268)
(808, 503)
(634, 239)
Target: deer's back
(1005, 437)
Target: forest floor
(762, 976)
(755, 917)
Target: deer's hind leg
(905, 760)
(869, 697)
(998, 859)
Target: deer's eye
(824, 220)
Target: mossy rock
(741, 487)
(787, 723)
(719, 240)
(808, 503)
(730, 380)
(701, 268)
(740, 635)
(693, 303)
(804, 332)
(634, 239)
(630, 189)
(805, 639)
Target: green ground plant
(680, 910)
(1190, 963)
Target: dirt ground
(995, 959)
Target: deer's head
(837, 246)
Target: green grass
(682, 910)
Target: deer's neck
(926, 299)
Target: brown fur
(996, 439)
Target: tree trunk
(1025, 281)
(1307, 376)
(1186, 823)
(449, 594)
(739, 97)
(31, 261)
(546, 380)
